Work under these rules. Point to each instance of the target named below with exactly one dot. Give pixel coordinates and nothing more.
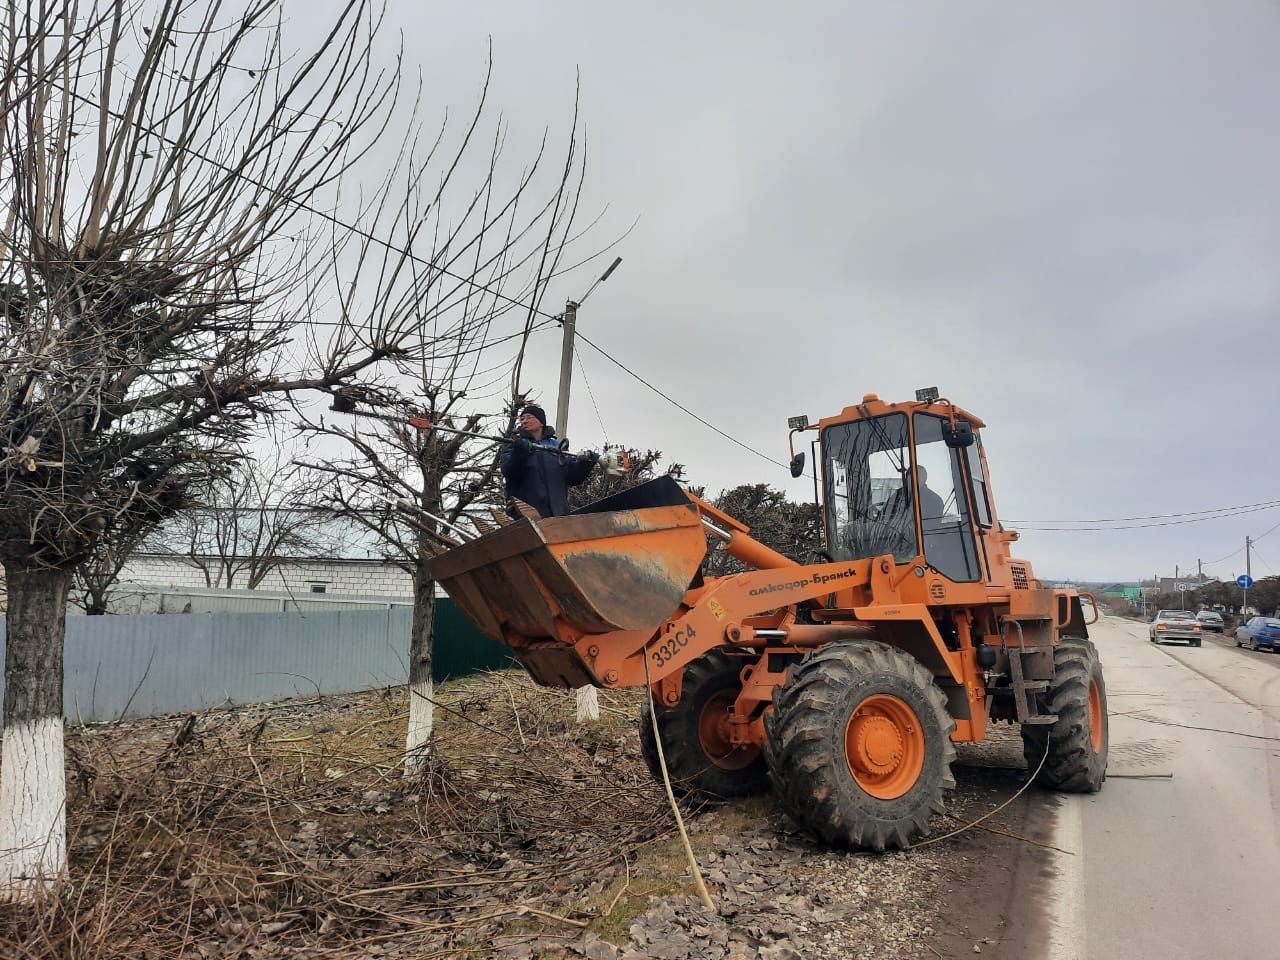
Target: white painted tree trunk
(417, 740)
(33, 784)
(588, 704)
(33, 804)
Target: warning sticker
(716, 608)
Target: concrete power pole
(566, 368)
(588, 699)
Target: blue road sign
(1244, 581)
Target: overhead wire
(582, 367)
(358, 231)
(1143, 526)
(315, 211)
(1163, 516)
(676, 403)
(1263, 561)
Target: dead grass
(291, 831)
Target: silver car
(1210, 620)
(1175, 625)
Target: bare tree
(256, 516)
(465, 378)
(163, 167)
(99, 571)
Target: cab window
(949, 545)
(867, 475)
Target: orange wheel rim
(1096, 718)
(714, 733)
(884, 745)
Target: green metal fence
(460, 649)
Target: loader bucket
(621, 563)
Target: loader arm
(716, 615)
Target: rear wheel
(1074, 748)
(701, 760)
(859, 745)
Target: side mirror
(797, 464)
(961, 436)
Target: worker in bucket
(540, 480)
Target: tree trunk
(417, 741)
(33, 787)
(588, 704)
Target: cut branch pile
(292, 831)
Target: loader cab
(897, 480)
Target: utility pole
(570, 324)
(587, 698)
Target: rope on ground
(698, 882)
(991, 813)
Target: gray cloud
(1067, 218)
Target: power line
(676, 403)
(582, 368)
(303, 205)
(1163, 516)
(1264, 562)
(336, 221)
(1144, 526)
(1237, 550)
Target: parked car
(1175, 625)
(1259, 632)
(1210, 620)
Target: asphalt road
(1185, 865)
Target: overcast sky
(1067, 219)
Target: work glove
(523, 446)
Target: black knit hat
(536, 411)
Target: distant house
(276, 554)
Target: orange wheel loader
(842, 683)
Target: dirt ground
(289, 830)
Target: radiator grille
(1019, 577)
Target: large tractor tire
(1076, 744)
(859, 745)
(701, 761)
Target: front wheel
(1071, 754)
(859, 745)
(701, 760)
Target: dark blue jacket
(543, 480)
